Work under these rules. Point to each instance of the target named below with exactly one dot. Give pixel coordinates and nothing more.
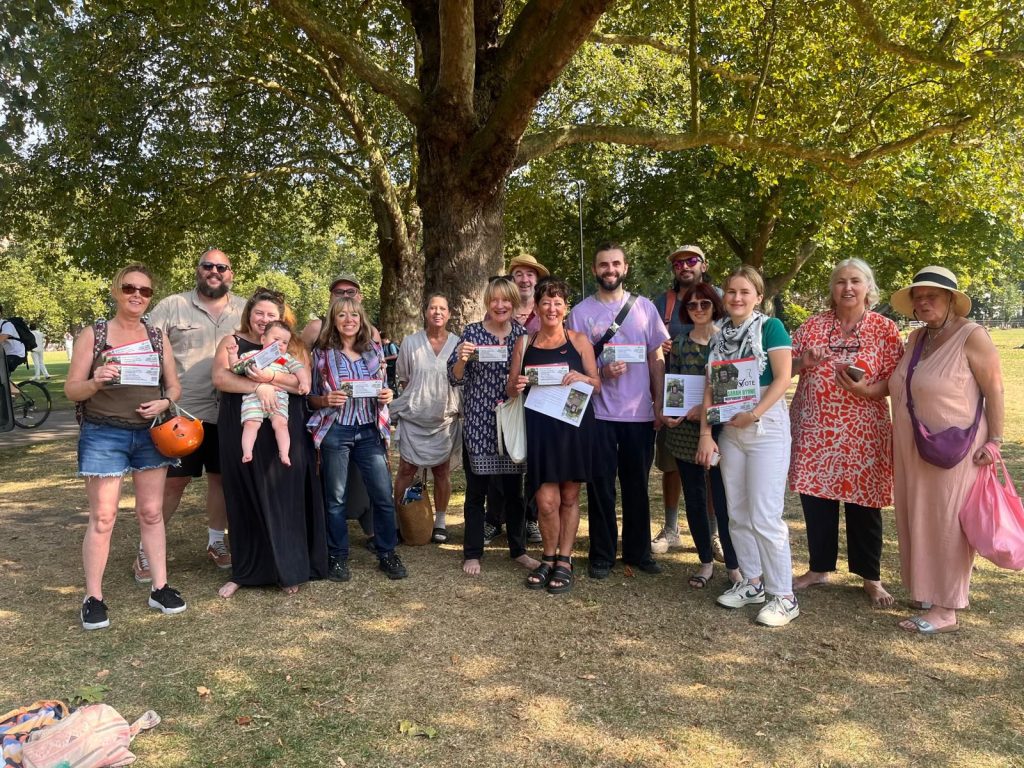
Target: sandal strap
(563, 559)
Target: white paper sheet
(488, 353)
(682, 392)
(546, 375)
(624, 353)
(565, 403)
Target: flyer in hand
(565, 403)
(734, 388)
(682, 392)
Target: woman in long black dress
(558, 454)
(275, 512)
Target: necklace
(931, 337)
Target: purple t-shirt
(627, 398)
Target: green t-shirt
(773, 336)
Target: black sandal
(539, 576)
(561, 574)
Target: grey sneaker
(779, 612)
(491, 532)
(667, 538)
(533, 532)
(742, 593)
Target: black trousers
(695, 492)
(511, 494)
(863, 536)
(625, 449)
(496, 503)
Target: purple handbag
(947, 448)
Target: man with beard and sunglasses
(195, 321)
(626, 410)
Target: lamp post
(579, 206)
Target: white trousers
(755, 464)
(40, 366)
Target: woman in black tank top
(558, 453)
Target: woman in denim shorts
(115, 434)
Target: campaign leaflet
(565, 403)
(361, 387)
(492, 353)
(266, 357)
(624, 353)
(735, 388)
(682, 392)
(546, 375)
(140, 375)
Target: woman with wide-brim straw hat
(955, 381)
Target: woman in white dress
(429, 428)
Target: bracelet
(998, 439)
(705, 434)
(273, 375)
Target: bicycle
(32, 403)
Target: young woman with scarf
(754, 447)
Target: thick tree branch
(874, 33)
(493, 149)
(404, 95)
(755, 102)
(531, 23)
(676, 50)
(731, 240)
(546, 142)
(458, 56)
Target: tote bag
(992, 517)
(510, 417)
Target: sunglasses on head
(702, 304)
(266, 294)
(500, 278)
(144, 291)
(690, 261)
(209, 266)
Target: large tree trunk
(401, 286)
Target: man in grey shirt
(195, 321)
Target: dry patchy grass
(629, 671)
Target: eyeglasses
(692, 261)
(702, 304)
(844, 345)
(144, 291)
(209, 266)
(347, 293)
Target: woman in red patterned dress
(842, 434)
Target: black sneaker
(94, 614)
(167, 600)
(491, 532)
(650, 566)
(599, 570)
(391, 564)
(338, 570)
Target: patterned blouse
(688, 358)
(842, 444)
(483, 388)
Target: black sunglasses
(144, 291)
(209, 266)
(267, 294)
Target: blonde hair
(330, 336)
(502, 287)
(119, 276)
(750, 274)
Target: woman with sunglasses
(275, 512)
(700, 307)
(842, 434)
(114, 438)
(480, 365)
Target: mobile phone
(854, 372)
(715, 458)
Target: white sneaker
(666, 538)
(742, 593)
(779, 612)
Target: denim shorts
(106, 451)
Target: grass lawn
(635, 670)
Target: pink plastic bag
(992, 517)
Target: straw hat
(931, 277)
(529, 262)
(694, 249)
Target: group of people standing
(327, 394)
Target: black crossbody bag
(614, 327)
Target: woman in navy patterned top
(483, 383)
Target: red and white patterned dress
(842, 444)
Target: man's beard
(211, 292)
(610, 285)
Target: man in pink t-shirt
(626, 409)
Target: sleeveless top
(114, 404)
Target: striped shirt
(331, 367)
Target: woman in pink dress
(954, 382)
(842, 435)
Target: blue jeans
(363, 444)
